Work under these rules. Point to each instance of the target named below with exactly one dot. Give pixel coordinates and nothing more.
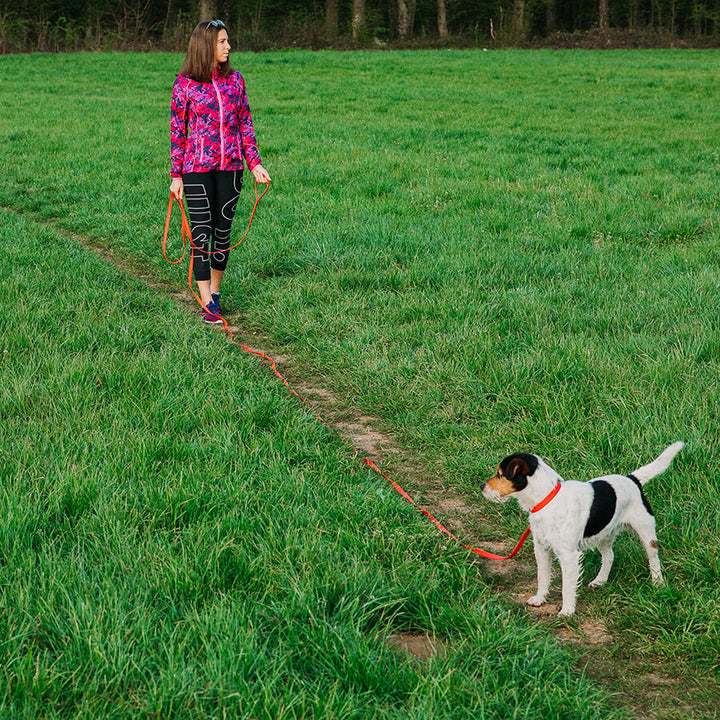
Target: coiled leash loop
(187, 235)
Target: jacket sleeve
(247, 132)
(178, 126)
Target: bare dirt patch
(420, 647)
(588, 632)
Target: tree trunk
(518, 20)
(403, 20)
(358, 19)
(696, 18)
(207, 10)
(167, 19)
(254, 12)
(406, 16)
(603, 15)
(442, 20)
(331, 19)
(550, 15)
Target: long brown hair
(200, 59)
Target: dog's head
(510, 477)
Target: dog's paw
(597, 582)
(536, 600)
(566, 612)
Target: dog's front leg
(543, 559)
(570, 567)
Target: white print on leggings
(211, 207)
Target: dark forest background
(69, 25)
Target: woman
(211, 134)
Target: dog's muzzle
(493, 495)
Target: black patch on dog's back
(642, 494)
(602, 508)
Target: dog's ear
(518, 468)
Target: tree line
(67, 25)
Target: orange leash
(187, 235)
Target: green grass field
(486, 251)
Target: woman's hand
(176, 188)
(260, 174)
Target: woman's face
(222, 47)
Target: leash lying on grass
(187, 237)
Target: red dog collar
(544, 502)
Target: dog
(567, 517)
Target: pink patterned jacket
(210, 126)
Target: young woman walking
(211, 134)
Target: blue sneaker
(216, 300)
(211, 313)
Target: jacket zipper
(222, 139)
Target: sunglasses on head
(216, 24)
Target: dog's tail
(659, 465)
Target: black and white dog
(567, 517)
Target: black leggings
(211, 201)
